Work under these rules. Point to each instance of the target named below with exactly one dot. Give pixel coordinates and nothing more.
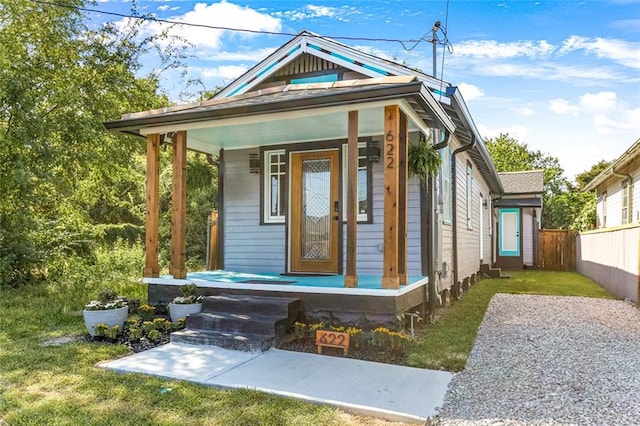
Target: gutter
(626, 157)
(222, 111)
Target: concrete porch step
(245, 323)
(267, 305)
(233, 341)
(238, 323)
(493, 272)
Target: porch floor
(367, 284)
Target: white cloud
(223, 71)
(601, 101)
(311, 11)
(519, 132)
(563, 107)
(526, 110)
(626, 53)
(627, 24)
(221, 14)
(164, 7)
(548, 71)
(247, 55)
(609, 115)
(470, 92)
(621, 122)
(494, 49)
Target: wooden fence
(557, 249)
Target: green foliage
(110, 233)
(61, 172)
(146, 312)
(583, 179)
(202, 190)
(423, 161)
(510, 155)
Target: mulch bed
(142, 345)
(365, 353)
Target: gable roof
(631, 154)
(523, 182)
(248, 104)
(349, 58)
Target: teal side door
(509, 232)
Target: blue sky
(561, 76)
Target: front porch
(323, 298)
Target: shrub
(146, 312)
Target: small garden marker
(332, 339)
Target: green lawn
(60, 384)
(447, 343)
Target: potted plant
(109, 309)
(187, 304)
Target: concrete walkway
(367, 388)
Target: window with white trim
(363, 182)
(274, 186)
(604, 209)
(445, 184)
(625, 201)
(469, 196)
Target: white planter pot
(109, 317)
(178, 310)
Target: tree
(510, 155)
(583, 179)
(60, 171)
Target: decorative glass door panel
(315, 213)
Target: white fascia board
(437, 109)
(271, 116)
(260, 72)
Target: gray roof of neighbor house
(524, 182)
(629, 155)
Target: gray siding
(469, 239)
(370, 235)
(251, 247)
(248, 247)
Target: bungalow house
(315, 202)
(617, 192)
(610, 254)
(518, 212)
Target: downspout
(454, 207)
(629, 192)
(429, 238)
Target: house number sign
(332, 339)
(389, 148)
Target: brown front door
(315, 212)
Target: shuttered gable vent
(305, 64)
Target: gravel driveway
(550, 360)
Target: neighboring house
(617, 190)
(610, 255)
(312, 145)
(519, 212)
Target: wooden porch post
(390, 278)
(403, 178)
(179, 206)
(351, 278)
(153, 207)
